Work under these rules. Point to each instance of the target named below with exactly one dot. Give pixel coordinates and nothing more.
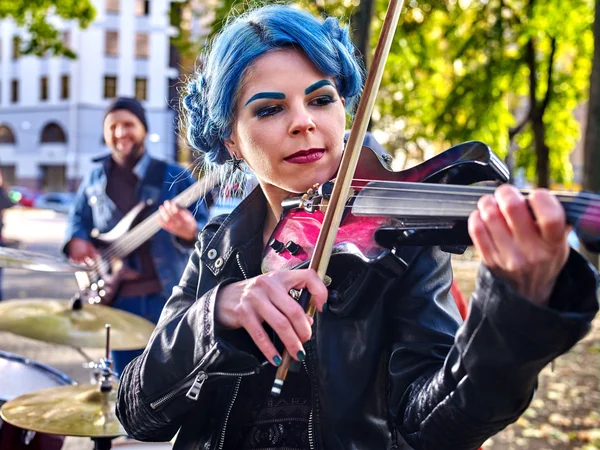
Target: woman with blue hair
(386, 362)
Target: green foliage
(457, 71)
(43, 38)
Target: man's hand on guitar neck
(177, 221)
(82, 252)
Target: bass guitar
(101, 283)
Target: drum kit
(39, 404)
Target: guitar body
(360, 236)
(102, 284)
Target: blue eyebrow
(275, 95)
(317, 85)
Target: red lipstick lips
(306, 156)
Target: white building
(51, 109)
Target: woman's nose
(302, 122)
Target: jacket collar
(236, 231)
(140, 169)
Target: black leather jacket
(389, 364)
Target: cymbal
(21, 259)
(54, 321)
(66, 410)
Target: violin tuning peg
(310, 192)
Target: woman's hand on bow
(523, 242)
(266, 298)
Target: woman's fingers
(307, 279)
(253, 325)
(550, 216)
(266, 299)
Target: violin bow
(337, 202)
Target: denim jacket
(93, 209)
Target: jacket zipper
(237, 257)
(238, 381)
(194, 391)
(183, 384)
(233, 397)
(311, 438)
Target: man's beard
(130, 159)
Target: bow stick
(333, 215)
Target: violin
(428, 204)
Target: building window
(16, 47)
(140, 88)
(141, 45)
(112, 6)
(110, 87)
(14, 91)
(112, 43)
(66, 38)
(6, 135)
(44, 88)
(64, 87)
(142, 7)
(53, 133)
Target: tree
(591, 165)
(501, 71)
(32, 15)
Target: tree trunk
(591, 164)
(361, 24)
(542, 152)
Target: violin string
(580, 200)
(468, 190)
(592, 208)
(465, 211)
(572, 204)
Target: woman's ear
(230, 146)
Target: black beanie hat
(130, 104)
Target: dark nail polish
(277, 360)
(301, 355)
(324, 307)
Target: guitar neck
(134, 238)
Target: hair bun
(201, 132)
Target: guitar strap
(155, 176)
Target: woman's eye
(267, 111)
(323, 100)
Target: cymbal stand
(103, 374)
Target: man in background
(117, 183)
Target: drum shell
(21, 376)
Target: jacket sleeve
(455, 392)
(80, 221)
(185, 352)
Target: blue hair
(212, 92)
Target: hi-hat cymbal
(21, 259)
(66, 410)
(54, 321)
